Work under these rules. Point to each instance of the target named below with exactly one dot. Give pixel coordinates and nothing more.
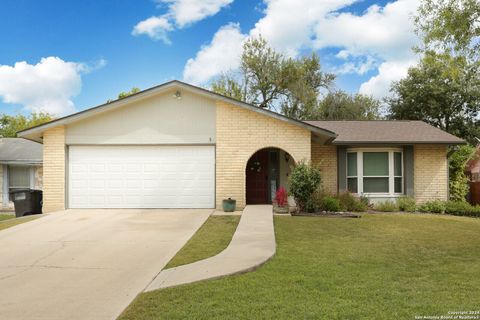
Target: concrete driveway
(87, 264)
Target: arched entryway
(266, 171)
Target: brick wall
(54, 169)
(240, 133)
(325, 156)
(430, 172)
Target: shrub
(406, 204)
(304, 182)
(458, 180)
(386, 206)
(435, 206)
(462, 208)
(281, 197)
(329, 203)
(349, 202)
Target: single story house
(180, 146)
(20, 167)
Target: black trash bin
(26, 201)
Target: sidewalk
(252, 245)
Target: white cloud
(185, 12)
(288, 25)
(221, 55)
(47, 86)
(379, 85)
(180, 13)
(359, 65)
(155, 27)
(379, 37)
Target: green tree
(442, 90)
(458, 183)
(340, 105)
(123, 94)
(450, 26)
(269, 79)
(226, 85)
(303, 89)
(10, 125)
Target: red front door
(257, 178)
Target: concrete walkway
(252, 245)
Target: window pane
(375, 185)
(352, 185)
(398, 185)
(19, 177)
(375, 163)
(397, 166)
(352, 164)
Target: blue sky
(65, 56)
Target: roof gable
(36, 132)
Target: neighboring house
(180, 146)
(20, 167)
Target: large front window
(375, 171)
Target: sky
(62, 57)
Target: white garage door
(141, 177)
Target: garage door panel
(141, 176)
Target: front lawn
(214, 236)
(381, 266)
(9, 220)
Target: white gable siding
(161, 119)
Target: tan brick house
(180, 146)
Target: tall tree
(450, 26)
(444, 89)
(268, 79)
(10, 125)
(306, 82)
(340, 105)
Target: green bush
(457, 207)
(386, 206)
(457, 161)
(348, 202)
(330, 203)
(462, 208)
(304, 182)
(435, 206)
(406, 204)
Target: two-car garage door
(141, 177)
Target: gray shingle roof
(382, 131)
(21, 151)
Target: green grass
(8, 220)
(212, 238)
(4, 217)
(377, 267)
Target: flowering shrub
(281, 197)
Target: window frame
(351, 177)
(31, 178)
(391, 172)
